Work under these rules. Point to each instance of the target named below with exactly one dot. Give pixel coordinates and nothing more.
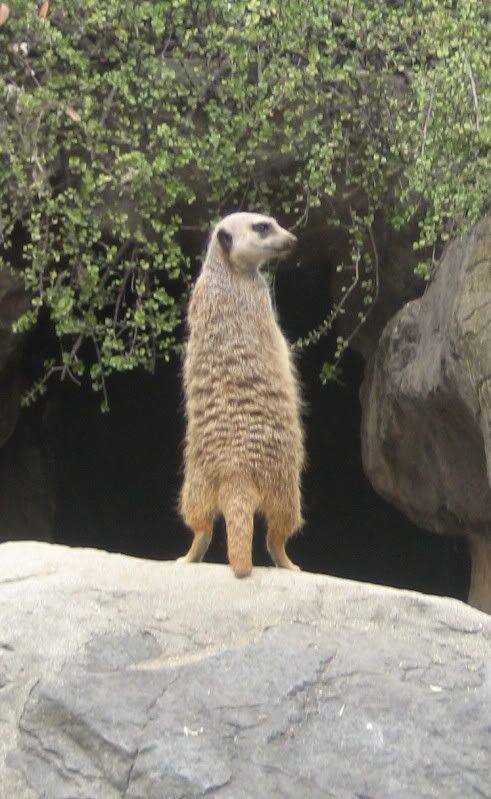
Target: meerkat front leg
(199, 547)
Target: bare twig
(427, 119)
(283, 91)
(65, 369)
(245, 193)
(377, 262)
(167, 43)
(103, 376)
(317, 334)
(121, 293)
(71, 376)
(314, 337)
(134, 336)
(305, 216)
(51, 371)
(375, 298)
(259, 65)
(474, 93)
(107, 106)
(122, 251)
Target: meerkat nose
(292, 241)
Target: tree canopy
(121, 124)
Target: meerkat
(244, 449)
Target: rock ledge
(129, 678)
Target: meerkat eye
(262, 228)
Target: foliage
(123, 123)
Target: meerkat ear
(225, 239)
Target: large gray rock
(129, 678)
(426, 400)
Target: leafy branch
(126, 129)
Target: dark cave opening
(118, 474)
(118, 477)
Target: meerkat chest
(235, 339)
(225, 315)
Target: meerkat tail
(238, 505)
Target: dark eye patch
(262, 228)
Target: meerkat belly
(242, 407)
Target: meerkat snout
(290, 244)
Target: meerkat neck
(215, 265)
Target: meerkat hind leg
(199, 547)
(276, 548)
(280, 558)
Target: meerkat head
(249, 240)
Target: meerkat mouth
(284, 252)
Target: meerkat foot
(198, 548)
(280, 558)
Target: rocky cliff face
(426, 398)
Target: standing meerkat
(244, 444)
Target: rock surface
(129, 678)
(426, 400)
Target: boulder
(128, 678)
(426, 405)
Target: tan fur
(244, 444)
